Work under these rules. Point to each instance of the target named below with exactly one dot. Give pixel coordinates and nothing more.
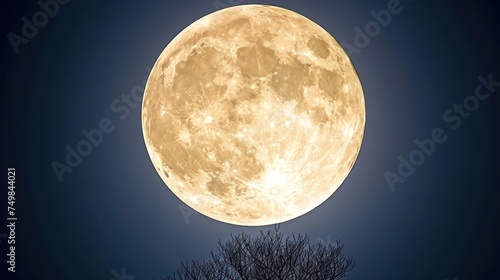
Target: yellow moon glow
(253, 115)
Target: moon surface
(253, 115)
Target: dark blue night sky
(410, 209)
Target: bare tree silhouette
(269, 256)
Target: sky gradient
(85, 69)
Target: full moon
(253, 115)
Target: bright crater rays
(253, 115)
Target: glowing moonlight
(253, 115)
